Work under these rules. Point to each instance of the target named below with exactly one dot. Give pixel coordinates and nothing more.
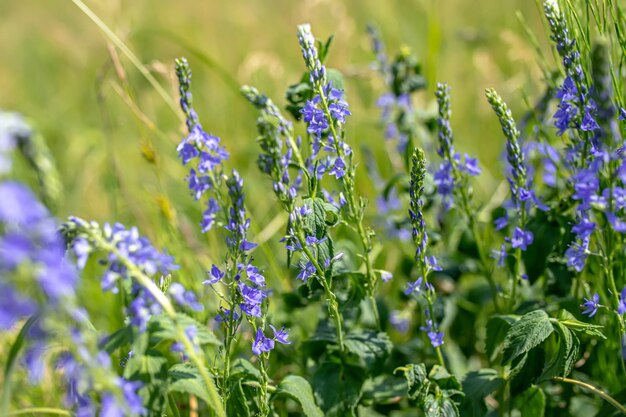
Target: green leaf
(565, 356)
(163, 327)
(186, 378)
(317, 225)
(370, 347)
(151, 370)
(117, 339)
(568, 320)
(529, 331)
(384, 389)
(335, 77)
(298, 389)
(476, 386)
(440, 406)
(11, 361)
(531, 403)
(338, 388)
(419, 385)
(497, 328)
(547, 234)
(146, 367)
(243, 369)
(237, 405)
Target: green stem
(40, 410)
(485, 266)
(356, 215)
(146, 282)
(333, 307)
(593, 389)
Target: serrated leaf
(564, 357)
(444, 379)
(298, 389)
(497, 328)
(383, 389)
(531, 403)
(163, 327)
(418, 383)
(529, 331)
(440, 406)
(237, 405)
(476, 386)
(338, 388)
(370, 347)
(185, 378)
(568, 320)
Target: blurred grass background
(114, 138)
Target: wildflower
(576, 255)
(414, 287)
(500, 255)
(280, 335)
(261, 343)
(435, 337)
(184, 297)
(399, 321)
(591, 306)
(224, 315)
(416, 189)
(521, 239)
(514, 154)
(306, 270)
(215, 275)
(309, 53)
(339, 168)
(501, 222)
(622, 114)
(252, 296)
(386, 276)
(621, 307)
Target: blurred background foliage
(114, 137)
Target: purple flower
(339, 168)
(621, 307)
(576, 255)
(224, 315)
(414, 287)
(281, 335)
(386, 276)
(13, 306)
(591, 306)
(307, 270)
(251, 296)
(617, 224)
(183, 297)
(521, 238)
(314, 117)
(501, 222)
(622, 114)
(399, 321)
(214, 275)
(589, 123)
(251, 309)
(471, 165)
(254, 275)
(500, 255)
(436, 338)
(584, 228)
(261, 343)
(210, 214)
(18, 205)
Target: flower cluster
(201, 147)
(426, 264)
(30, 239)
(453, 173)
(275, 135)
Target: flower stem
(356, 214)
(593, 389)
(146, 282)
(40, 410)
